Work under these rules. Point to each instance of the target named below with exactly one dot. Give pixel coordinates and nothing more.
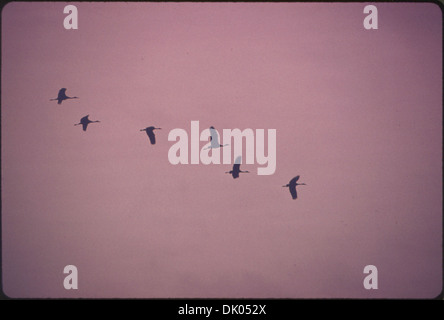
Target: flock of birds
(214, 143)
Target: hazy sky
(357, 113)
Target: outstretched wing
(151, 135)
(293, 192)
(84, 121)
(214, 137)
(236, 169)
(294, 180)
(61, 95)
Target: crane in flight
(62, 96)
(214, 140)
(236, 168)
(84, 122)
(150, 133)
(292, 186)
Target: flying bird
(214, 140)
(236, 168)
(62, 96)
(84, 122)
(150, 133)
(292, 186)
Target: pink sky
(358, 115)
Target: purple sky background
(358, 115)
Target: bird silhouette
(214, 140)
(62, 96)
(236, 168)
(84, 122)
(292, 186)
(150, 133)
